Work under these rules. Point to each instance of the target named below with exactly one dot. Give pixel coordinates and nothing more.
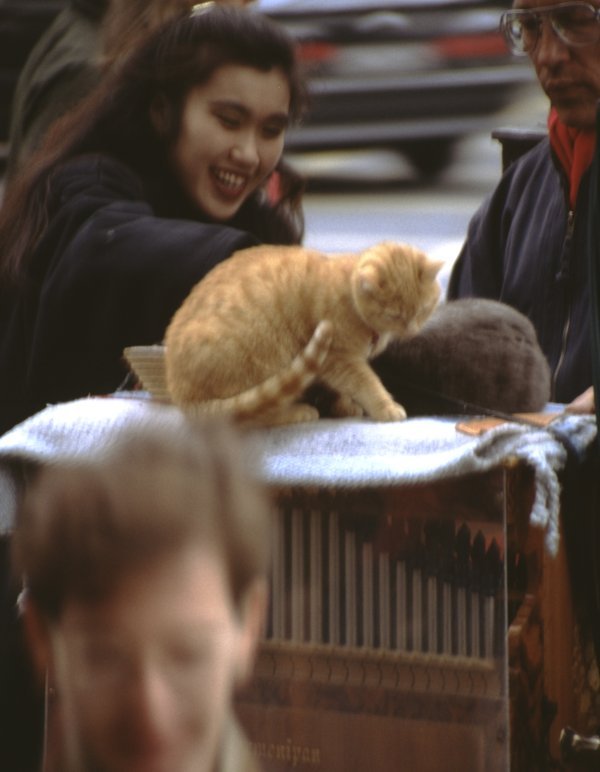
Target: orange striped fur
(281, 389)
(264, 324)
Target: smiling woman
(130, 201)
(231, 136)
(158, 176)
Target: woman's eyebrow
(228, 104)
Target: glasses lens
(576, 24)
(521, 30)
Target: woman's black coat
(108, 273)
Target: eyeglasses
(575, 24)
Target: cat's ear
(429, 268)
(369, 279)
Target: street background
(356, 199)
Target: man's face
(570, 76)
(145, 678)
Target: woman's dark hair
(116, 119)
(125, 21)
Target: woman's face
(231, 137)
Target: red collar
(574, 149)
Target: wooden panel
(326, 705)
(386, 695)
(309, 739)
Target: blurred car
(413, 75)
(416, 75)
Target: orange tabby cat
(246, 321)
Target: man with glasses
(526, 244)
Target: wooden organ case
(404, 631)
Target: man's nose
(151, 707)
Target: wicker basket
(148, 364)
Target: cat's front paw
(346, 407)
(390, 412)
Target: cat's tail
(280, 389)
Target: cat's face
(397, 287)
(231, 137)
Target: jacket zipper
(562, 276)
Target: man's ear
(37, 636)
(253, 614)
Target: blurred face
(569, 75)
(231, 137)
(145, 678)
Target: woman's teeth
(233, 182)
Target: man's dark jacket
(525, 248)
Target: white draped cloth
(333, 453)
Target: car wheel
(430, 156)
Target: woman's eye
(228, 121)
(272, 132)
